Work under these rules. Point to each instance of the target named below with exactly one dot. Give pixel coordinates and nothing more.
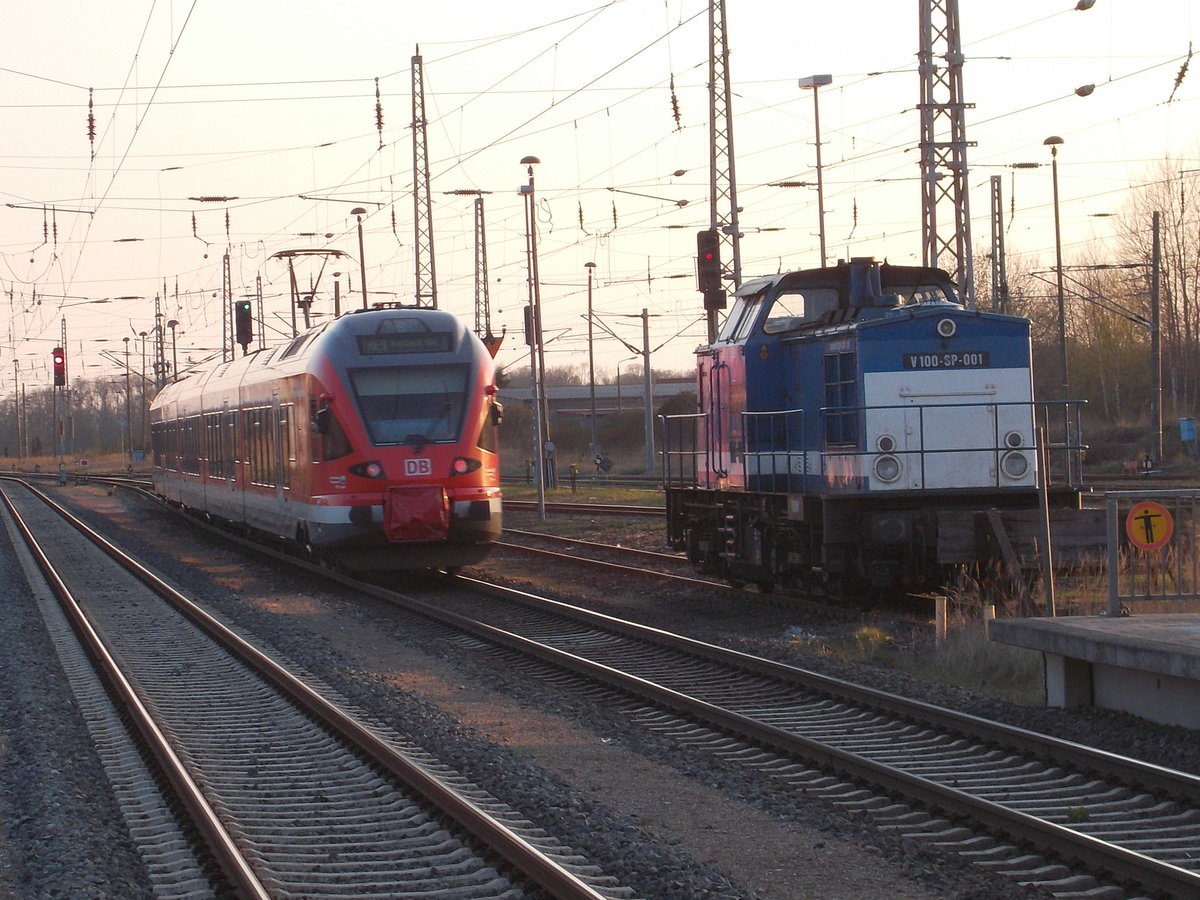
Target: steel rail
(609, 548)
(618, 567)
(602, 509)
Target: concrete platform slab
(1146, 665)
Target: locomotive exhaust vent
(947, 328)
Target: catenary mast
(426, 294)
(723, 207)
(945, 209)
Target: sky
(253, 128)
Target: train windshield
(411, 405)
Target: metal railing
(770, 446)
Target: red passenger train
(368, 441)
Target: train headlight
(373, 469)
(463, 464)
(946, 328)
(887, 468)
(1013, 439)
(1015, 464)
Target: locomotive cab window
(411, 405)
(742, 316)
(792, 310)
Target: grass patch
(969, 660)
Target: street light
(358, 212)
(1053, 143)
(591, 267)
(814, 82)
(619, 364)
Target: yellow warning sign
(1149, 525)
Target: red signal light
(59, 358)
(709, 270)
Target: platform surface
(1164, 644)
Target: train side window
(795, 309)
(841, 399)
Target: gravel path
(671, 823)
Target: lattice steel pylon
(1000, 297)
(944, 194)
(723, 207)
(426, 276)
(483, 306)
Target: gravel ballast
(670, 823)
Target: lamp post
(814, 82)
(620, 408)
(1053, 143)
(358, 212)
(541, 436)
(591, 267)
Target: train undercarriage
(841, 547)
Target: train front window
(411, 405)
(740, 321)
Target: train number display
(947, 359)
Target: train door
(724, 438)
(280, 440)
(228, 446)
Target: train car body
(369, 441)
(852, 421)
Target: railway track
(648, 563)
(293, 795)
(1043, 811)
(591, 509)
(992, 792)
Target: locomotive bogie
(367, 442)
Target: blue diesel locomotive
(854, 422)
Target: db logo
(418, 467)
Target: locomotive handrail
(771, 458)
